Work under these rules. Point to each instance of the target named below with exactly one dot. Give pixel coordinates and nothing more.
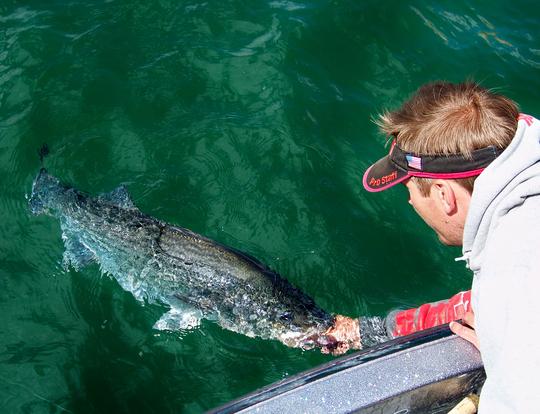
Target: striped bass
(194, 276)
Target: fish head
(315, 334)
(308, 336)
(301, 326)
(300, 323)
(46, 193)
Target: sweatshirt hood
(503, 185)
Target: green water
(246, 121)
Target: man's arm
(400, 323)
(369, 331)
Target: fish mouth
(319, 339)
(326, 342)
(311, 340)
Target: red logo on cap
(376, 182)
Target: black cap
(400, 165)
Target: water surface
(246, 121)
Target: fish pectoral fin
(177, 319)
(76, 254)
(119, 197)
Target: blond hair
(443, 118)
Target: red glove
(429, 315)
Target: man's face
(445, 219)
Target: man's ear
(445, 195)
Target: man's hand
(466, 332)
(346, 332)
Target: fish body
(162, 263)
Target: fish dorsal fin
(119, 197)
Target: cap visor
(382, 175)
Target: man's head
(443, 138)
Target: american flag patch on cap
(414, 162)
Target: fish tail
(45, 189)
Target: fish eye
(286, 317)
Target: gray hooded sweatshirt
(501, 245)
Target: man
(471, 164)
